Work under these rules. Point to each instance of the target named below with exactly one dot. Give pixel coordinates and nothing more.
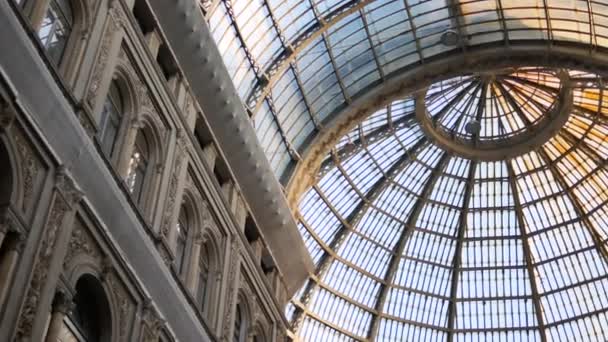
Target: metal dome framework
(413, 238)
(299, 65)
(412, 242)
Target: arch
(149, 122)
(75, 14)
(112, 117)
(123, 83)
(186, 225)
(258, 332)
(88, 265)
(125, 80)
(92, 314)
(210, 257)
(242, 318)
(410, 80)
(145, 158)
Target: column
(62, 306)
(128, 145)
(193, 268)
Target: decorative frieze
(30, 166)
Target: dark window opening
(144, 16)
(166, 62)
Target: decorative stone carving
(63, 303)
(41, 268)
(151, 323)
(81, 243)
(232, 288)
(67, 188)
(123, 303)
(146, 105)
(31, 166)
(172, 193)
(116, 20)
(67, 196)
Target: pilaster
(49, 258)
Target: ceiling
(414, 242)
(301, 66)
(445, 159)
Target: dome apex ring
(459, 139)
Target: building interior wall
(68, 214)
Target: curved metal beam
(407, 231)
(462, 226)
(356, 215)
(412, 79)
(536, 134)
(576, 204)
(282, 62)
(302, 307)
(377, 134)
(527, 253)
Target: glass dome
(413, 241)
(298, 64)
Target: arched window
(203, 277)
(111, 117)
(138, 168)
(182, 240)
(56, 28)
(90, 320)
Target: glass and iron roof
(468, 203)
(298, 64)
(415, 242)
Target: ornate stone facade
(83, 223)
(63, 200)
